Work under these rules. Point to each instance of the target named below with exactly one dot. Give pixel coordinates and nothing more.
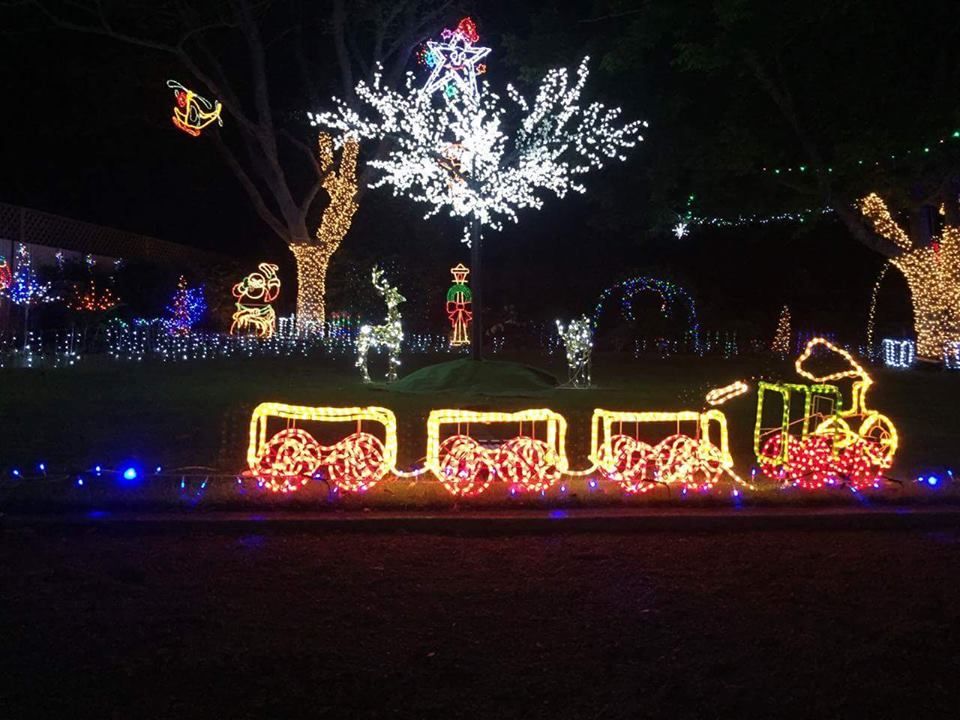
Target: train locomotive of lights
(469, 451)
(816, 445)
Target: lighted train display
(526, 450)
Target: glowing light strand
(872, 314)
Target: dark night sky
(86, 134)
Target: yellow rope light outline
(607, 418)
(264, 411)
(556, 430)
(840, 431)
(720, 395)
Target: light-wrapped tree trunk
(313, 259)
(933, 275)
(932, 272)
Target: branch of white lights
(457, 153)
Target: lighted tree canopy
(456, 146)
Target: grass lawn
(197, 413)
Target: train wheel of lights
(630, 462)
(356, 462)
(839, 430)
(465, 467)
(288, 460)
(812, 462)
(857, 465)
(527, 462)
(711, 462)
(770, 467)
(881, 437)
(676, 459)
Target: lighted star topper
(455, 62)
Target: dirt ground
(188, 623)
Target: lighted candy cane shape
(291, 457)
(193, 113)
(261, 287)
(389, 335)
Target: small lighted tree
(186, 308)
(90, 298)
(26, 289)
(450, 146)
(781, 337)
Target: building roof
(36, 227)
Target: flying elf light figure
(455, 62)
(193, 113)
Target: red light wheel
(288, 460)
(356, 462)
(527, 462)
(465, 467)
(630, 462)
(676, 459)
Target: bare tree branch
(339, 20)
(306, 149)
(251, 188)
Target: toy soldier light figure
(459, 299)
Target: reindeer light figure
(262, 288)
(578, 341)
(389, 335)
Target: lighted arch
(672, 295)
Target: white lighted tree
(459, 150)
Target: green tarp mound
(479, 377)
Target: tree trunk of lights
(936, 319)
(476, 328)
(312, 263)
